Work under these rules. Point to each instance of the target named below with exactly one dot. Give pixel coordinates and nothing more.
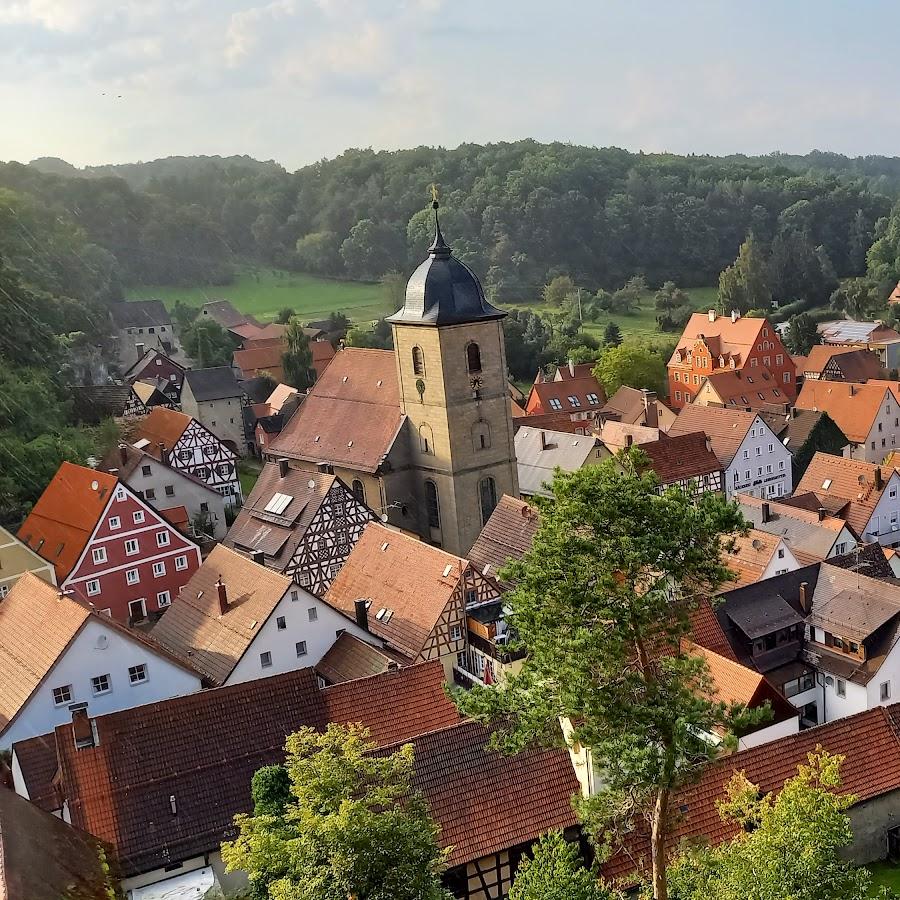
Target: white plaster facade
(783, 560)
(884, 523)
(883, 436)
(99, 649)
(306, 619)
(762, 465)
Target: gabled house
(753, 458)
(750, 390)
(175, 492)
(874, 336)
(637, 407)
(350, 657)
(45, 858)
(830, 363)
(16, 558)
(865, 496)
(811, 535)
(157, 368)
(506, 537)
(686, 461)
(225, 314)
(181, 442)
(236, 621)
(143, 325)
(577, 393)
(540, 452)
(108, 545)
(111, 768)
(758, 555)
(868, 414)
(712, 343)
(616, 436)
(57, 651)
(144, 396)
(412, 596)
(805, 432)
(301, 524)
(215, 399)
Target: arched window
(487, 492)
(418, 359)
(481, 435)
(358, 490)
(426, 441)
(432, 505)
(473, 357)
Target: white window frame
(98, 555)
(134, 670)
(106, 690)
(181, 563)
(163, 539)
(138, 517)
(159, 568)
(92, 587)
(132, 576)
(132, 547)
(115, 523)
(163, 599)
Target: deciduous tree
(297, 358)
(632, 365)
(208, 343)
(338, 822)
(602, 604)
(744, 285)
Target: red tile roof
(162, 426)
(63, 519)
(726, 428)
(37, 762)
(750, 389)
(681, 456)
(868, 741)
(507, 535)
(256, 360)
(204, 748)
(349, 658)
(485, 801)
(544, 394)
(721, 335)
(351, 415)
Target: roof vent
(316, 439)
(95, 485)
(486, 569)
(344, 379)
(173, 805)
(384, 546)
(349, 443)
(378, 383)
(448, 569)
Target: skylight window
(826, 484)
(278, 504)
(593, 399)
(555, 403)
(574, 401)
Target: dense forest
(520, 213)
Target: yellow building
(16, 559)
(423, 434)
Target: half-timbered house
(686, 461)
(413, 596)
(155, 366)
(108, 545)
(145, 396)
(302, 524)
(183, 443)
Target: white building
(754, 459)
(56, 652)
(237, 620)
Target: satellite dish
(829, 681)
(95, 485)
(102, 642)
(311, 484)
(384, 517)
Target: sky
(110, 81)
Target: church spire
(439, 247)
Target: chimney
(735, 315)
(766, 514)
(629, 440)
(362, 614)
(821, 513)
(651, 413)
(804, 598)
(544, 443)
(879, 481)
(712, 315)
(223, 596)
(282, 468)
(123, 453)
(571, 367)
(83, 728)
(708, 444)
(852, 390)
(162, 452)
(258, 557)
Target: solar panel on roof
(278, 504)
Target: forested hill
(520, 213)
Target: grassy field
(641, 323)
(263, 292)
(884, 874)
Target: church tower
(451, 360)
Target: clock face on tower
(476, 381)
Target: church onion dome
(443, 290)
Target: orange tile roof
(706, 630)
(820, 354)
(255, 360)
(852, 407)
(868, 742)
(725, 428)
(66, 514)
(193, 627)
(752, 553)
(851, 482)
(162, 426)
(732, 682)
(279, 396)
(579, 387)
(204, 748)
(507, 535)
(727, 337)
(743, 389)
(351, 415)
(402, 574)
(677, 457)
(177, 516)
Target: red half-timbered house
(108, 545)
(181, 442)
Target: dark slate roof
(140, 313)
(94, 402)
(794, 429)
(43, 858)
(257, 388)
(443, 290)
(216, 383)
(867, 559)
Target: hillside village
(164, 628)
